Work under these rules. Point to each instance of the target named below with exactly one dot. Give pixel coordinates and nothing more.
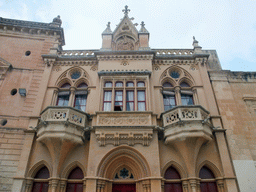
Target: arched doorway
(124, 181)
(75, 182)
(173, 180)
(41, 183)
(208, 182)
(123, 167)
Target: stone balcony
(124, 127)
(62, 123)
(61, 129)
(184, 122)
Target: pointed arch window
(75, 182)
(208, 182)
(81, 97)
(63, 95)
(173, 180)
(40, 183)
(179, 95)
(73, 96)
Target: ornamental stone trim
(124, 119)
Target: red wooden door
(172, 187)
(208, 187)
(124, 188)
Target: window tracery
(173, 180)
(177, 88)
(124, 174)
(41, 183)
(72, 89)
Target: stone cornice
(30, 27)
(124, 72)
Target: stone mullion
(177, 96)
(195, 97)
(54, 97)
(72, 97)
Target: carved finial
(194, 40)
(195, 45)
(142, 24)
(132, 18)
(56, 22)
(136, 24)
(126, 10)
(143, 29)
(107, 30)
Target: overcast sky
(227, 26)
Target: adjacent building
(125, 117)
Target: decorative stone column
(146, 186)
(195, 98)
(220, 184)
(84, 185)
(177, 95)
(100, 186)
(63, 184)
(72, 96)
(193, 185)
(29, 184)
(55, 96)
(53, 184)
(162, 186)
(185, 186)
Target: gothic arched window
(40, 183)
(173, 180)
(75, 182)
(208, 182)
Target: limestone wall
(11, 143)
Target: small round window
(175, 74)
(76, 75)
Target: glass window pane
(107, 95)
(130, 106)
(167, 84)
(141, 84)
(119, 96)
(107, 107)
(129, 84)
(169, 102)
(187, 99)
(141, 95)
(66, 85)
(119, 84)
(108, 84)
(82, 85)
(63, 100)
(141, 106)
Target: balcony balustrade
(183, 122)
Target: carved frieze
(126, 119)
(126, 136)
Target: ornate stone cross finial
(108, 25)
(142, 24)
(126, 10)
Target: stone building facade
(125, 117)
